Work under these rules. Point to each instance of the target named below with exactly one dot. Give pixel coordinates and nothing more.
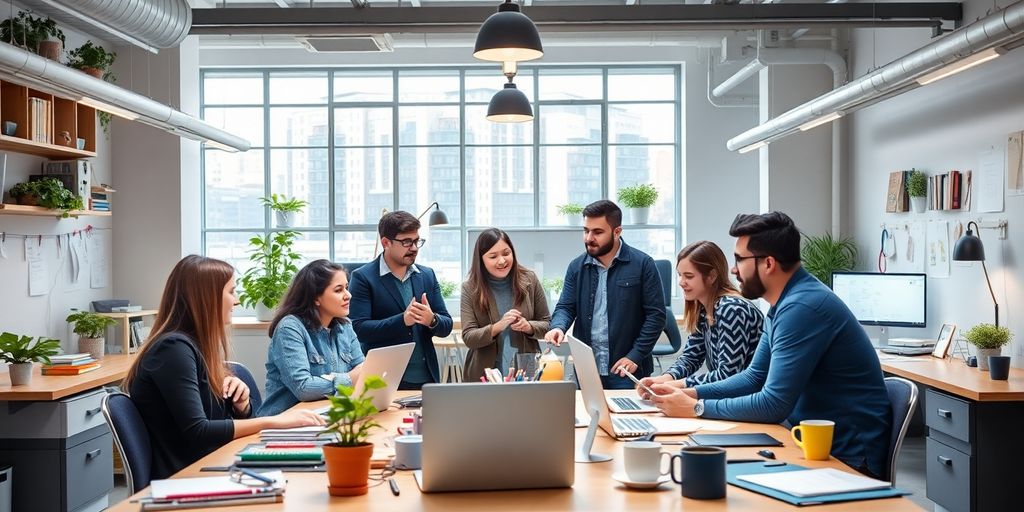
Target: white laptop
(497, 436)
(389, 364)
(618, 426)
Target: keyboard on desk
(632, 426)
(626, 404)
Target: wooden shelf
(123, 317)
(52, 151)
(39, 211)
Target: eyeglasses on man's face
(739, 259)
(409, 242)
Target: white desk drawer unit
(49, 420)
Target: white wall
(937, 128)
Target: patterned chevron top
(727, 346)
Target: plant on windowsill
(90, 328)
(822, 255)
(348, 457)
(639, 199)
(917, 189)
(20, 352)
(554, 287)
(39, 35)
(573, 211)
(48, 193)
(264, 284)
(989, 341)
(447, 287)
(284, 208)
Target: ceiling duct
(44, 74)
(148, 24)
(1003, 29)
(346, 44)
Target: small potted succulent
(572, 211)
(20, 352)
(348, 457)
(284, 208)
(989, 340)
(639, 199)
(90, 328)
(917, 189)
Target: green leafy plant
(28, 31)
(91, 55)
(988, 336)
(348, 416)
(447, 287)
(570, 209)
(917, 184)
(275, 267)
(20, 349)
(638, 196)
(283, 204)
(553, 284)
(822, 255)
(90, 325)
(50, 193)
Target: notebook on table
(741, 474)
(732, 440)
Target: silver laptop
(480, 437)
(617, 426)
(389, 364)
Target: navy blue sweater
(814, 361)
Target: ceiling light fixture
(752, 147)
(508, 35)
(509, 105)
(962, 65)
(820, 121)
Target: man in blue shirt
(395, 301)
(814, 361)
(614, 295)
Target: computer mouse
(766, 453)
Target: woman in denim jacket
(313, 348)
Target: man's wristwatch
(698, 408)
(433, 323)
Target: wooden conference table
(594, 488)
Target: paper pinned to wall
(1015, 162)
(910, 247)
(38, 274)
(938, 255)
(76, 252)
(97, 248)
(988, 191)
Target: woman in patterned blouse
(724, 327)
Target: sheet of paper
(99, 276)
(1015, 162)
(815, 482)
(75, 248)
(207, 485)
(938, 253)
(988, 189)
(38, 273)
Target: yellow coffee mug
(815, 438)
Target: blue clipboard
(752, 468)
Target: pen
(256, 475)
(394, 486)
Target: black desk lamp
(437, 218)
(970, 248)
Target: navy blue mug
(999, 367)
(702, 471)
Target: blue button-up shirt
(599, 328)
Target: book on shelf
(135, 330)
(896, 198)
(71, 370)
(947, 191)
(40, 120)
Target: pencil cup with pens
(530, 367)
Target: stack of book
(99, 199)
(947, 190)
(137, 333)
(214, 491)
(281, 454)
(299, 434)
(40, 120)
(70, 364)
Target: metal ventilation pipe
(997, 29)
(772, 56)
(149, 24)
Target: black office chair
(130, 437)
(902, 401)
(243, 373)
(675, 338)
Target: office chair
(352, 266)
(675, 338)
(902, 401)
(243, 373)
(130, 437)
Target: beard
(751, 288)
(597, 251)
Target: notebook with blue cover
(735, 470)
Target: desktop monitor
(886, 300)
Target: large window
(354, 142)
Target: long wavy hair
(300, 299)
(709, 260)
(478, 273)
(193, 304)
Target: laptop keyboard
(632, 426)
(626, 404)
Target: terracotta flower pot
(29, 200)
(50, 50)
(348, 469)
(93, 72)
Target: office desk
(975, 444)
(53, 434)
(593, 490)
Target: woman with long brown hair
(724, 327)
(186, 395)
(504, 311)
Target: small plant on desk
(989, 339)
(20, 352)
(90, 328)
(348, 458)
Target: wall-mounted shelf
(51, 151)
(51, 130)
(39, 211)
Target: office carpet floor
(909, 476)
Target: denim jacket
(298, 358)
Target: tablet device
(730, 440)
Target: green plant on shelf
(92, 56)
(917, 184)
(28, 31)
(447, 287)
(48, 193)
(281, 203)
(267, 281)
(638, 196)
(89, 325)
(570, 209)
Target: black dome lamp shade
(970, 248)
(509, 105)
(508, 35)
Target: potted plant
(348, 457)
(284, 208)
(639, 199)
(554, 287)
(917, 189)
(989, 340)
(574, 211)
(264, 284)
(20, 352)
(447, 287)
(90, 328)
(25, 194)
(48, 193)
(39, 35)
(92, 60)
(822, 255)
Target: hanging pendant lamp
(508, 35)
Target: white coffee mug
(408, 452)
(643, 461)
